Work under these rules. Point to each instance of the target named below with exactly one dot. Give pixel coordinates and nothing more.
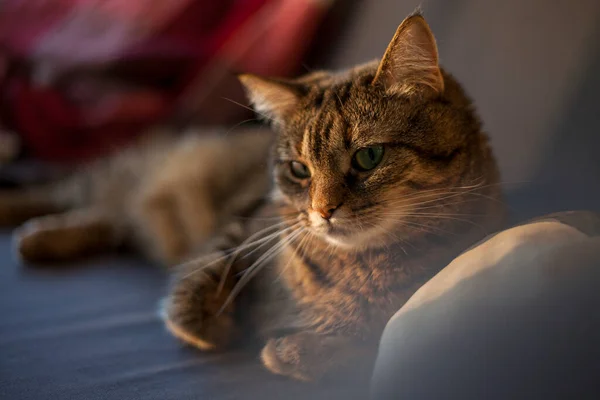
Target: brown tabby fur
(348, 247)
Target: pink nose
(326, 212)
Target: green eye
(368, 158)
(299, 170)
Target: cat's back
(214, 155)
(166, 158)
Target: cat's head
(356, 150)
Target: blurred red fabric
(53, 97)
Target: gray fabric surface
(523, 326)
(92, 331)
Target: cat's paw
(193, 311)
(306, 356)
(63, 237)
(32, 241)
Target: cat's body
(381, 175)
(165, 197)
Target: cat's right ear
(274, 99)
(410, 63)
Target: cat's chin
(334, 236)
(345, 236)
(348, 241)
(354, 240)
(339, 241)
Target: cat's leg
(61, 237)
(198, 213)
(20, 205)
(160, 221)
(195, 309)
(310, 356)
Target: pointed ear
(410, 63)
(274, 99)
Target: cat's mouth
(337, 233)
(340, 231)
(323, 227)
(348, 235)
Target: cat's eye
(367, 158)
(299, 170)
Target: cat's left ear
(410, 63)
(275, 99)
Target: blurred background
(80, 79)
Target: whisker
(248, 108)
(257, 266)
(263, 242)
(438, 198)
(425, 228)
(413, 208)
(436, 216)
(298, 250)
(445, 193)
(429, 204)
(230, 251)
(390, 234)
(239, 124)
(273, 249)
(430, 214)
(450, 190)
(278, 216)
(274, 235)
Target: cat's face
(357, 151)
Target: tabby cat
(377, 177)
(381, 175)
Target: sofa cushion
(515, 316)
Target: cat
(309, 237)
(382, 174)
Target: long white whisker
(424, 228)
(229, 252)
(248, 108)
(299, 250)
(435, 216)
(257, 266)
(263, 242)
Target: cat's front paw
(306, 356)
(193, 310)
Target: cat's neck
(381, 266)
